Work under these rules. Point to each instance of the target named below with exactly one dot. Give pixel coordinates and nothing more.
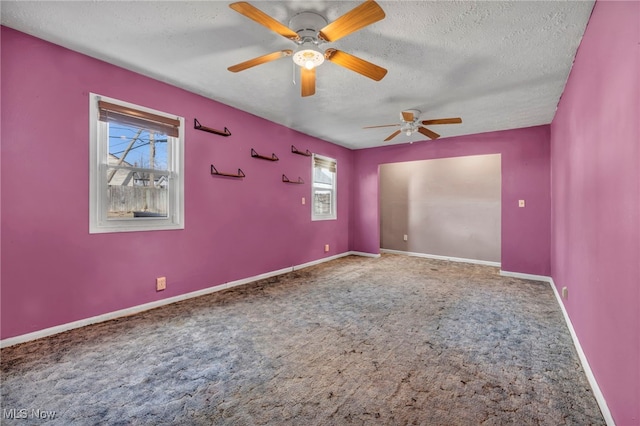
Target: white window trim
(98, 157)
(334, 213)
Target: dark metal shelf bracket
(295, 150)
(254, 154)
(217, 173)
(198, 126)
(285, 179)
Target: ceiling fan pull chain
(293, 72)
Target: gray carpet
(396, 340)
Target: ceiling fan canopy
(308, 30)
(410, 124)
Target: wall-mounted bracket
(285, 179)
(273, 157)
(217, 173)
(295, 150)
(198, 126)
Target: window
(136, 170)
(323, 188)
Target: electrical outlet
(326, 248)
(303, 201)
(161, 283)
(406, 237)
(520, 203)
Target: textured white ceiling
(498, 65)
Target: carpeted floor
(393, 341)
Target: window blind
(116, 113)
(324, 163)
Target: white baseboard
(364, 254)
(520, 275)
(156, 304)
(319, 261)
(438, 257)
(602, 403)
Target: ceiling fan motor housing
(307, 25)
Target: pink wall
(54, 272)
(525, 175)
(595, 249)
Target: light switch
(303, 201)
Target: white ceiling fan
(410, 123)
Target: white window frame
(98, 163)
(333, 215)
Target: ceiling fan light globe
(308, 58)
(408, 132)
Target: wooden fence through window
(124, 200)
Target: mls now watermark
(24, 413)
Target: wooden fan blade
(356, 64)
(392, 135)
(428, 133)
(384, 125)
(307, 81)
(443, 121)
(263, 19)
(260, 60)
(365, 14)
(407, 116)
